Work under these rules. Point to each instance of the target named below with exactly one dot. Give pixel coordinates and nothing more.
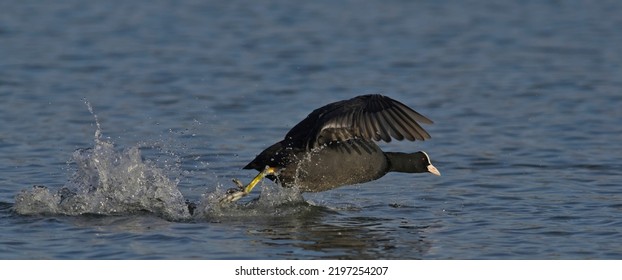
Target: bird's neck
(407, 163)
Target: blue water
(525, 95)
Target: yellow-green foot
(234, 194)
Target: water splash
(272, 202)
(107, 182)
(98, 131)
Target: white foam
(108, 182)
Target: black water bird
(335, 146)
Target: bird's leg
(267, 171)
(235, 194)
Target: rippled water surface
(525, 96)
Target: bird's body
(334, 145)
(326, 167)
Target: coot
(335, 146)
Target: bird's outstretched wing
(370, 117)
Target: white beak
(433, 170)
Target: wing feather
(371, 117)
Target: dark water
(525, 95)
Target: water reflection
(302, 230)
(350, 238)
